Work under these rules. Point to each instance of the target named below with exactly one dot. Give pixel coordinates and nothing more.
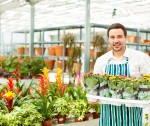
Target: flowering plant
(9, 97)
(44, 101)
(115, 82)
(144, 87)
(144, 80)
(90, 80)
(131, 85)
(21, 67)
(14, 94)
(59, 83)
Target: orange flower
(44, 81)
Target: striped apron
(112, 115)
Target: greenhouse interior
(52, 63)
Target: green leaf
(91, 82)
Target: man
(121, 61)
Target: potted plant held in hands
(131, 88)
(144, 87)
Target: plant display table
(129, 103)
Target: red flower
(10, 84)
(43, 85)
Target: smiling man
(121, 61)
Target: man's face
(117, 40)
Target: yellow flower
(59, 77)
(9, 95)
(112, 77)
(59, 73)
(59, 70)
(45, 72)
(148, 79)
(146, 75)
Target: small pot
(96, 115)
(78, 120)
(87, 115)
(47, 122)
(61, 119)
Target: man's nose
(116, 39)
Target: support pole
(31, 44)
(87, 38)
(0, 36)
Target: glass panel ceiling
(54, 13)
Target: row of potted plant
(35, 104)
(118, 86)
(20, 66)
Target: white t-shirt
(139, 62)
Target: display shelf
(57, 42)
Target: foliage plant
(3, 108)
(25, 115)
(78, 108)
(4, 121)
(61, 107)
(96, 107)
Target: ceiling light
(114, 12)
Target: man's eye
(112, 37)
(120, 36)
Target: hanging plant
(98, 41)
